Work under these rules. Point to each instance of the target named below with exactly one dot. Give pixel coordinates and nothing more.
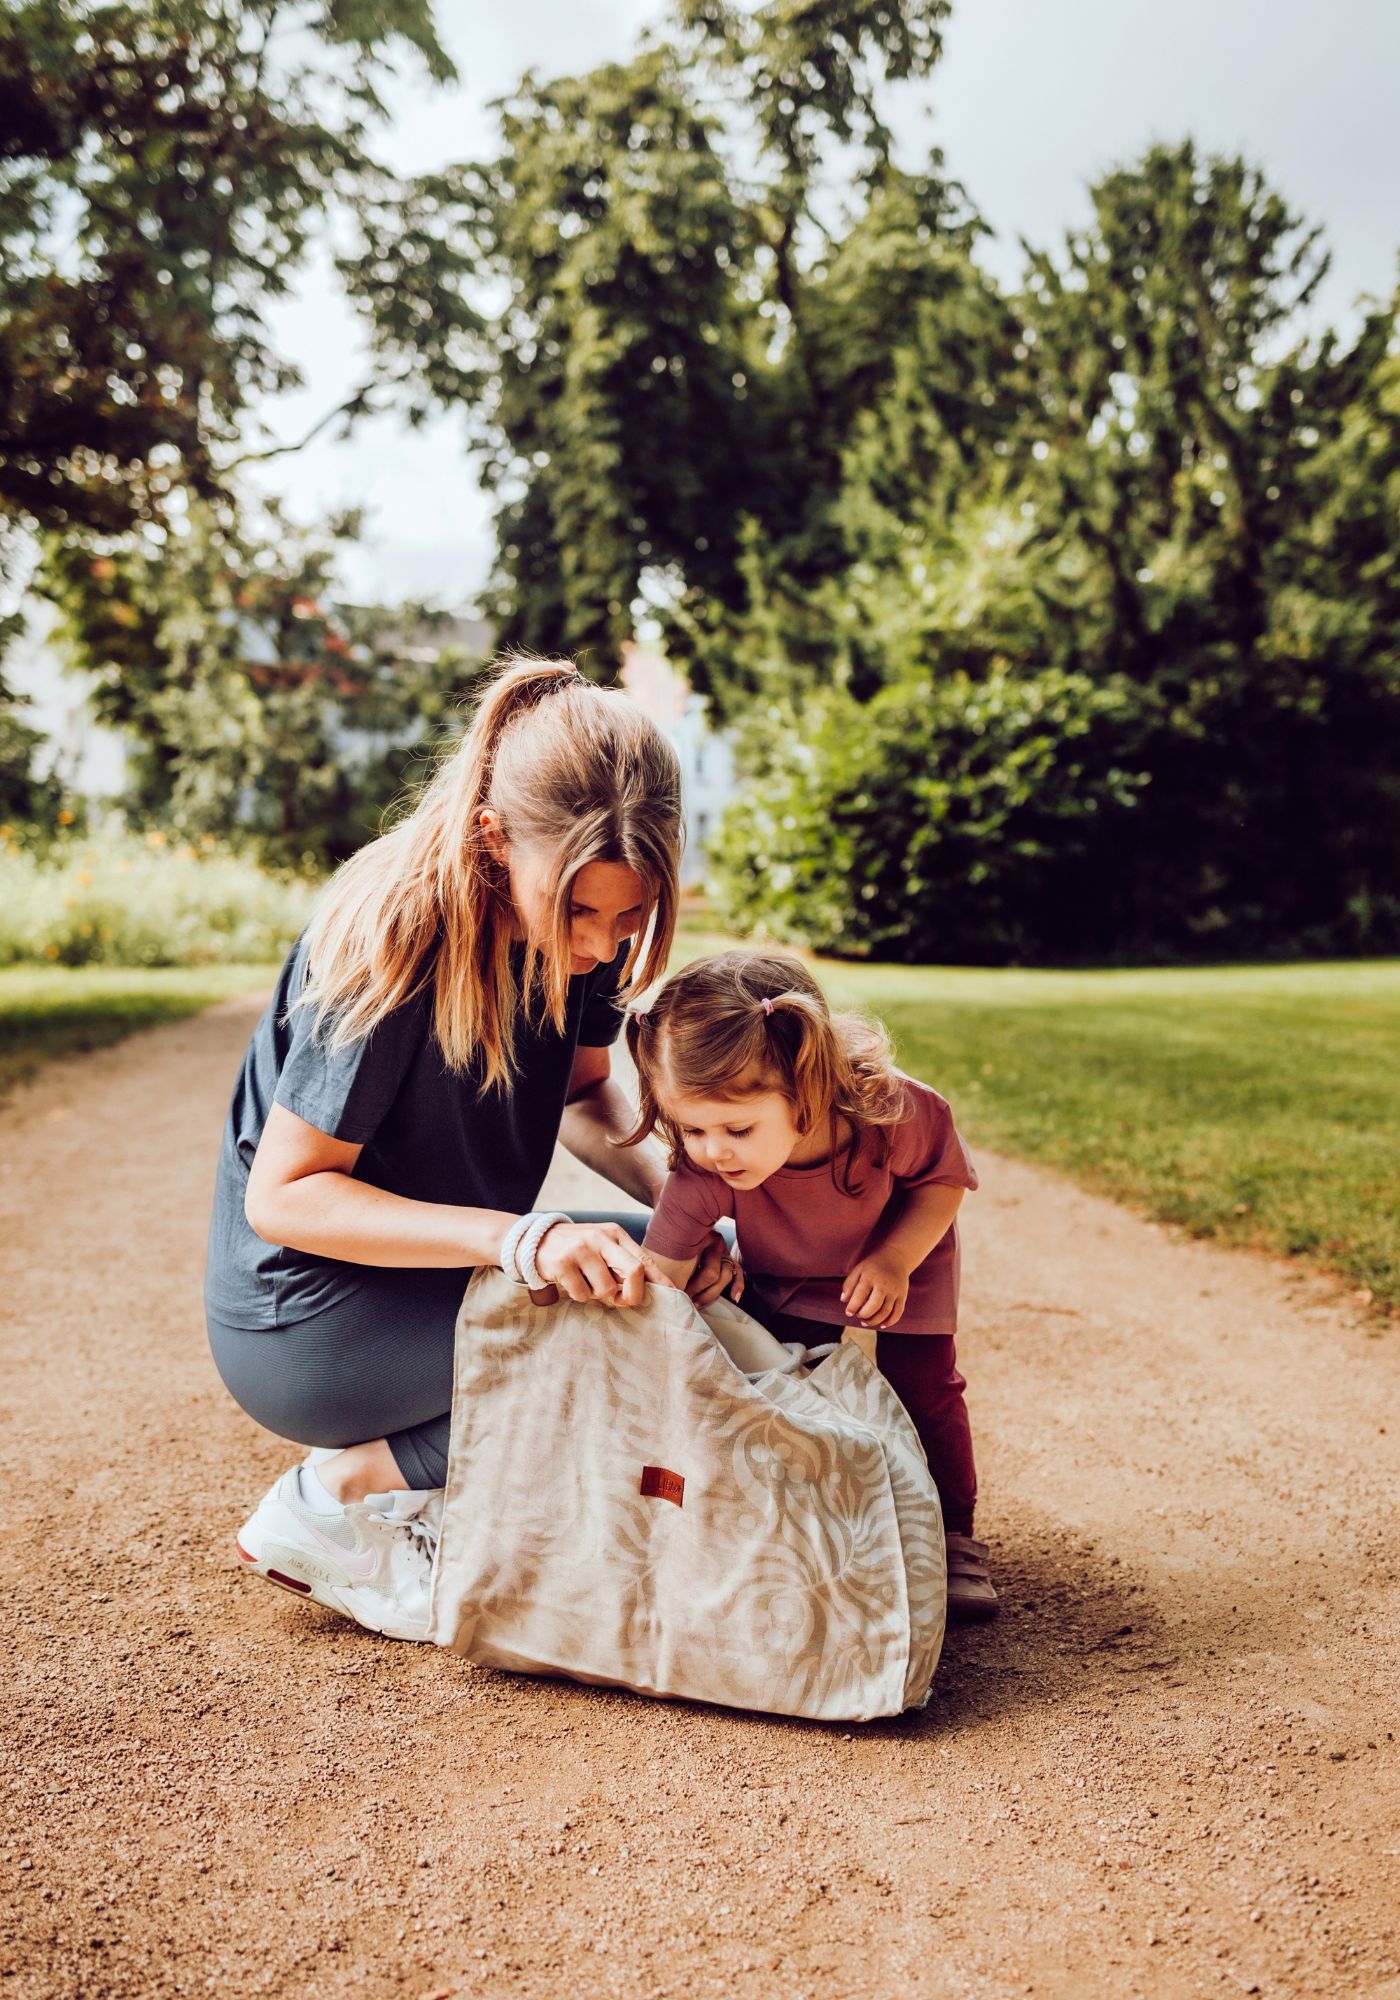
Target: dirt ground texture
(1169, 1769)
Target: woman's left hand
(717, 1270)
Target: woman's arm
(301, 1193)
(597, 1111)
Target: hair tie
(766, 1004)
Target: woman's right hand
(595, 1261)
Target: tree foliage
(1058, 620)
(262, 711)
(651, 380)
(164, 168)
(1067, 615)
(1127, 531)
(29, 799)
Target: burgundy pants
(922, 1369)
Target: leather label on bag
(659, 1484)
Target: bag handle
(799, 1356)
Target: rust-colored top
(800, 1233)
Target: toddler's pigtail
(638, 1031)
(801, 1044)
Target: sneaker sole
(294, 1570)
(973, 1611)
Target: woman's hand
(717, 1269)
(593, 1261)
(875, 1292)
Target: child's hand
(717, 1271)
(875, 1292)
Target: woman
(444, 1018)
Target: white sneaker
(371, 1560)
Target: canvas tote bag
(671, 1502)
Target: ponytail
(575, 772)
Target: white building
(89, 759)
(706, 758)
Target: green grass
(1257, 1105)
(49, 1011)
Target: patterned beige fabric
(625, 1506)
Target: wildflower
(155, 838)
(65, 818)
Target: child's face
(743, 1140)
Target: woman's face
(608, 904)
(609, 900)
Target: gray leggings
(379, 1364)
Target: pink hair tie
(766, 1004)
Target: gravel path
(1170, 1769)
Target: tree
(615, 430)
(163, 167)
(654, 227)
(262, 711)
(1172, 518)
(1180, 414)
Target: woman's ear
(493, 833)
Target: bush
(119, 899)
(944, 819)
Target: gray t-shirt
(425, 1132)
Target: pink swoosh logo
(362, 1563)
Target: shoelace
(413, 1525)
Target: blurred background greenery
(1053, 621)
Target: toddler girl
(843, 1177)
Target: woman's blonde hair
(742, 1022)
(575, 772)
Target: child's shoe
(371, 1559)
(971, 1594)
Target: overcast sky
(1033, 99)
